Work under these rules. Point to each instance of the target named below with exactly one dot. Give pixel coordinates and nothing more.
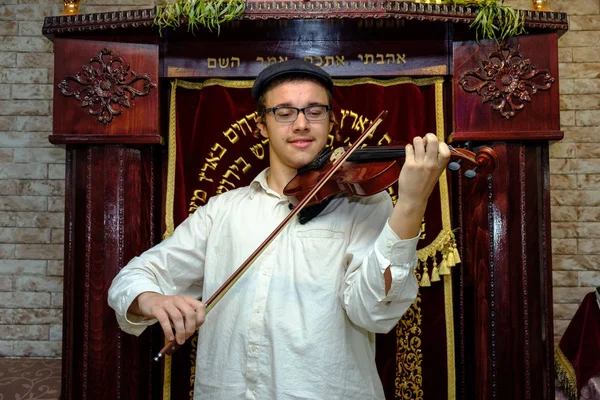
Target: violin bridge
(336, 154)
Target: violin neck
(375, 153)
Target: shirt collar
(259, 183)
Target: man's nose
(301, 123)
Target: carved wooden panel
(114, 82)
(106, 86)
(506, 80)
(476, 119)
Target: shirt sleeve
(174, 266)
(374, 246)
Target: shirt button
(251, 386)
(257, 310)
(388, 243)
(253, 349)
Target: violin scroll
(484, 160)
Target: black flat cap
(289, 67)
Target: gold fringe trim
(172, 154)
(449, 245)
(169, 208)
(389, 82)
(565, 374)
(450, 354)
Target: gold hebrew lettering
(225, 181)
(339, 60)
(246, 165)
(231, 135)
(271, 60)
(205, 166)
(401, 58)
(359, 125)
(282, 59)
(229, 172)
(367, 56)
(223, 63)
(212, 63)
(199, 195)
(262, 60)
(215, 147)
(258, 150)
(330, 139)
(308, 59)
(202, 177)
(212, 162)
(193, 207)
(244, 121)
(320, 61)
(234, 60)
(329, 60)
(361, 58)
(344, 114)
(385, 139)
(355, 115)
(380, 56)
(221, 189)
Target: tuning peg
(471, 173)
(454, 165)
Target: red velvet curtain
(216, 152)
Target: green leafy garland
(494, 20)
(208, 13)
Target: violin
(367, 171)
(353, 171)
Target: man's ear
(262, 127)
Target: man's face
(295, 144)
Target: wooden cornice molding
(319, 9)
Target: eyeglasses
(290, 114)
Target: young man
(299, 324)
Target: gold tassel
(456, 255)
(425, 277)
(450, 259)
(435, 274)
(444, 270)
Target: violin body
(351, 179)
(366, 172)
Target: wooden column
(504, 290)
(113, 203)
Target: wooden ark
(115, 168)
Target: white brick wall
(32, 180)
(575, 161)
(32, 173)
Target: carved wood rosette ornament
(106, 85)
(506, 80)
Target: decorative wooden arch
(113, 130)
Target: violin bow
(339, 157)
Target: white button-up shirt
(300, 323)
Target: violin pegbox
(484, 159)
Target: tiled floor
(29, 379)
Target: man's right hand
(182, 313)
